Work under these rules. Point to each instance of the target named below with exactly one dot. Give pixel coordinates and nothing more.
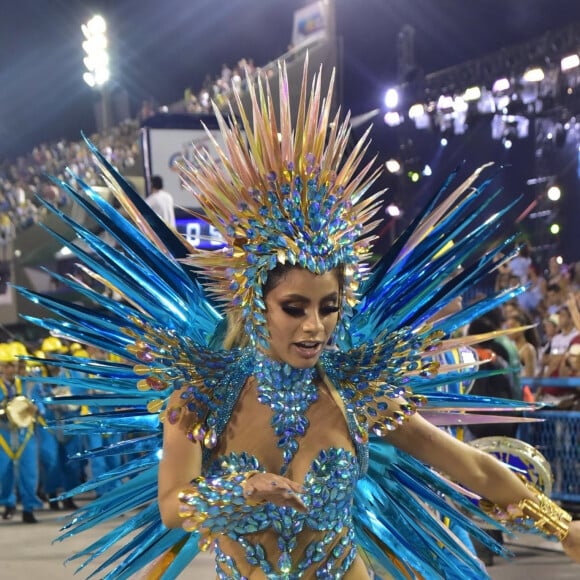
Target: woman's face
(513, 323)
(301, 313)
(550, 329)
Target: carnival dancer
(18, 445)
(100, 463)
(271, 376)
(60, 471)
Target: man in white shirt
(161, 201)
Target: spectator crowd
(549, 347)
(25, 178)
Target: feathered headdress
(283, 194)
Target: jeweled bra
(329, 484)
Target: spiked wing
(163, 319)
(449, 248)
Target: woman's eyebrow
(331, 296)
(295, 298)
(301, 298)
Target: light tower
(96, 61)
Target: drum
(21, 411)
(521, 457)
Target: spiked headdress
(283, 194)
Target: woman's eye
(294, 311)
(326, 310)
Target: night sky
(160, 47)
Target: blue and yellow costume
(59, 471)
(279, 194)
(18, 445)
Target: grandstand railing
(557, 437)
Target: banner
(310, 24)
(166, 148)
(168, 138)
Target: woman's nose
(313, 323)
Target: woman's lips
(308, 349)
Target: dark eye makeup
(298, 311)
(294, 311)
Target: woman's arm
(476, 470)
(572, 305)
(529, 361)
(180, 463)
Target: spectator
(501, 345)
(554, 274)
(554, 298)
(502, 279)
(161, 201)
(570, 366)
(562, 340)
(575, 277)
(520, 265)
(556, 357)
(530, 300)
(527, 342)
(550, 327)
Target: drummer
(18, 448)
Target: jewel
(145, 356)
(285, 563)
(210, 439)
(173, 415)
(156, 383)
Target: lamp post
(96, 62)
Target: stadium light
(95, 46)
(96, 61)
(393, 166)
(533, 75)
(392, 99)
(569, 62)
(393, 210)
(554, 193)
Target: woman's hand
(571, 544)
(264, 487)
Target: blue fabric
(101, 464)
(21, 475)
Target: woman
(276, 432)
(527, 342)
(302, 312)
(306, 443)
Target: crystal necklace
(289, 392)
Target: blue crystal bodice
(321, 539)
(268, 402)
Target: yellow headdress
(282, 194)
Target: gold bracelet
(540, 515)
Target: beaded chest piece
(289, 392)
(328, 485)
